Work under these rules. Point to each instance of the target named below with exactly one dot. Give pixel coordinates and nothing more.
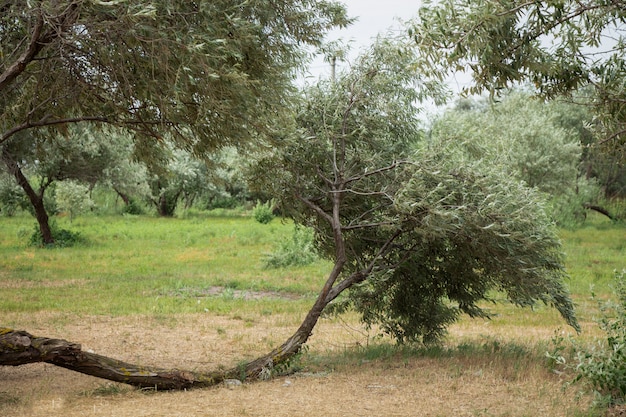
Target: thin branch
(34, 46)
(46, 121)
(613, 136)
(361, 275)
(391, 167)
(367, 225)
(38, 41)
(315, 208)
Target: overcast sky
(374, 17)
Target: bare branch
(362, 275)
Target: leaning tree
(203, 74)
(415, 236)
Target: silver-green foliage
(526, 139)
(263, 212)
(465, 232)
(73, 198)
(298, 251)
(417, 236)
(558, 46)
(602, 365)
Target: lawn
(194, 293)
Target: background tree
(183, 178)
(530, 140)
(36, 162)
(203, 74)
(557, 46)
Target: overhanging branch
(46, 121)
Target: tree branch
(46, 121)
(38, 41)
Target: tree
(202, 74)
(530, 140)
(417, 239)
(183, 177)
(73, 198)
(36, 163)
(557, 46)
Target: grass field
(194, 293)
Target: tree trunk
(20, 348)
(599, 209)
(125, 198)
(36, 199)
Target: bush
(62, 238)
(298, 251)
(264, 212)
(73, 198)
(133, 207)
(602, 365)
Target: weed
(297, 251)
(264, 212)
(107, 390)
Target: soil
(330, 384)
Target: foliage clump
(264, 212)
(63, 238)
(298, 251)
(416, 233)
(602, 365)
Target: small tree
(73, 198)
(418, 238)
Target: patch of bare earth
(408, 386)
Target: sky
(374, 17)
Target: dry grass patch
(341, 374)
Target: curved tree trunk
(20, 348)
(36, 199)
(599, 209)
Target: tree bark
(600, 210)
(36, 199)
(19, 348)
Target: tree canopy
(557, 46)
(198, 74)
(209, 73)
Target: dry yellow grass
(454, 385)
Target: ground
(341, 376)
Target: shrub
(264, 212)
(133, 207)
(73, 198)
(601, 366)
(298, 251)
(62, 238)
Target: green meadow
(139, 265)
(143, 265)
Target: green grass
(594, 251)
(136, 265)
(147, 265)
